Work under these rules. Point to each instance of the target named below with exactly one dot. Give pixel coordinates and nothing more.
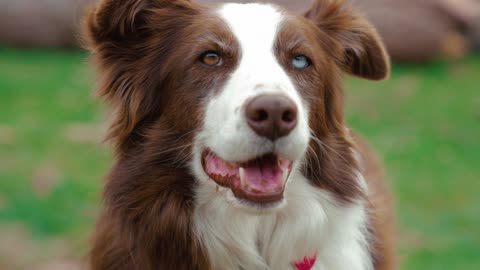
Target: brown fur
(146, 52)
(382, 216)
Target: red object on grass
(306, 263)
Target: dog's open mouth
(260, 180)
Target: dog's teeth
(241, 172)
(285, 176)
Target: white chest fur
(310, 223)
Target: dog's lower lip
(260, 180)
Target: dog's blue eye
(301, 62)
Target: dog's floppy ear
(127, 38)
(363, 53)
(113, 20)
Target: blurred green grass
(424, 122)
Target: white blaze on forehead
(254, 25)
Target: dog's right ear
(119, 20)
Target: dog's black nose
(271, 116)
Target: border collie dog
(232, 152)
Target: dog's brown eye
(211, 58)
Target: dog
(231, 147)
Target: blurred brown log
(41, 23)
(413, 30)
(421, 30)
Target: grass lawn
(424, 121)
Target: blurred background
(424, 122)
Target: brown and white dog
(232, 151)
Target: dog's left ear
(363, 53)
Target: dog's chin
(253, 207)
(256, 184)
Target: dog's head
(257, 90)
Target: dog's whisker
(174, 149)
(325, 146)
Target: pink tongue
(261, 176)
(264, 178)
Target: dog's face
(255, 128)
(252, 87)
